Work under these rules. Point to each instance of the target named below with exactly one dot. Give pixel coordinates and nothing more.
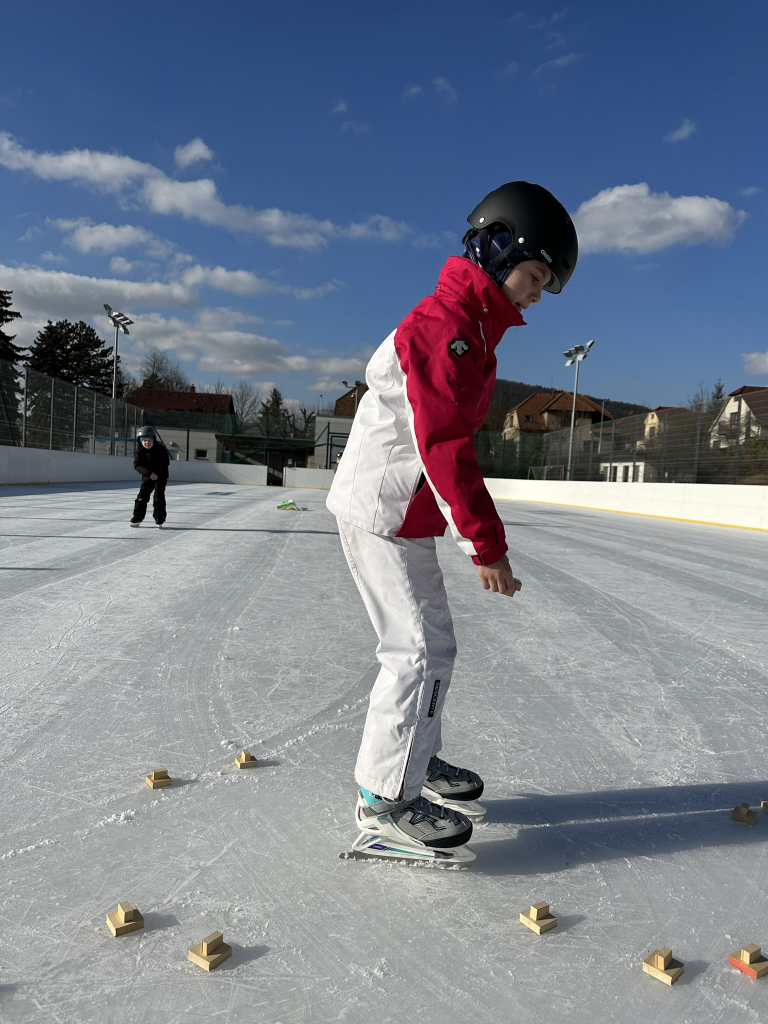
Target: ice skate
(135, 522)
(411, 832)
(458, 789)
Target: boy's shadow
(589, 827)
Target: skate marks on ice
(557, 833)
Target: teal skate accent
(369, 797)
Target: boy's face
(147, 442)
(524, 284)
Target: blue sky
(268, 189)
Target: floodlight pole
(575, 355)
(573, 420)
(120, 322)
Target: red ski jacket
(409, 466)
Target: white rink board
(615, 708)
(721, 504)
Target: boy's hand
(153, 476)
(497, 577)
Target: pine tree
(10, 379)
(8, 351)
(74, 353)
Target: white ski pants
(402, 587)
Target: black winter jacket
(152, 460)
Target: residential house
(545, 411)
(743, 416)
(332, 429)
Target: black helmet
(146, 432)
(539, 227)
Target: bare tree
(246, 398)
(163, 372)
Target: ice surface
(616, 709)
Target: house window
(734, 419)
(651, 432)
(614, 474)
(527, 418)
(625, 475)
(635, 473)
(201, 453)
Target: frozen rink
(616, 709)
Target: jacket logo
(459, 346)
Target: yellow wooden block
(538, 918)
(211, 952)
(764, 805)
(661, 965)
(125, 919)
(245, 759)
(158, 778)
(744, 815)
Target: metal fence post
(74, 428)
(50, 433)
(738, 443)
(696, 450)
(26, 399)
(664, 446)
(613, 448)
(94, 421)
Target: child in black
(152, 461)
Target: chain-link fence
(671, 446)
(38, 411)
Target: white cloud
(552, 19)
(685, 131)
(750, 190)
(32, 232)
(193, 152)
(85, 236)
(412, 90)
(340, 108)
(120, 265)
(559, 62)
(631, 218)
(755, 363)
(195, 200)
(243, 282)
(358, 129)
(216, 340)
(510, 69)
(52, 257)
(445, 90)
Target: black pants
(158, 502)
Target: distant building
(545, 411)
(187, 421)
(744, 416)
(332, 431)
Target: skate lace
(447, 768)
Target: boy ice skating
(409, 469)
(151, 460)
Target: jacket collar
(464, 281)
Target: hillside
(508, 393)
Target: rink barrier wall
(319, 478)
(41, 466)
(738, 505)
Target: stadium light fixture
(357, 384)
(121, 323)
(575, 355)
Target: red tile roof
(541, 402)
(182, 401)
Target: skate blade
(471, 809)
(367, 847)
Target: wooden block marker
(538, 918)
(660, 964)
(211, 952)
(744, 815)
(125, 919)
(159, 778)
(764, 805)
(245, 759)
(750, 961)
